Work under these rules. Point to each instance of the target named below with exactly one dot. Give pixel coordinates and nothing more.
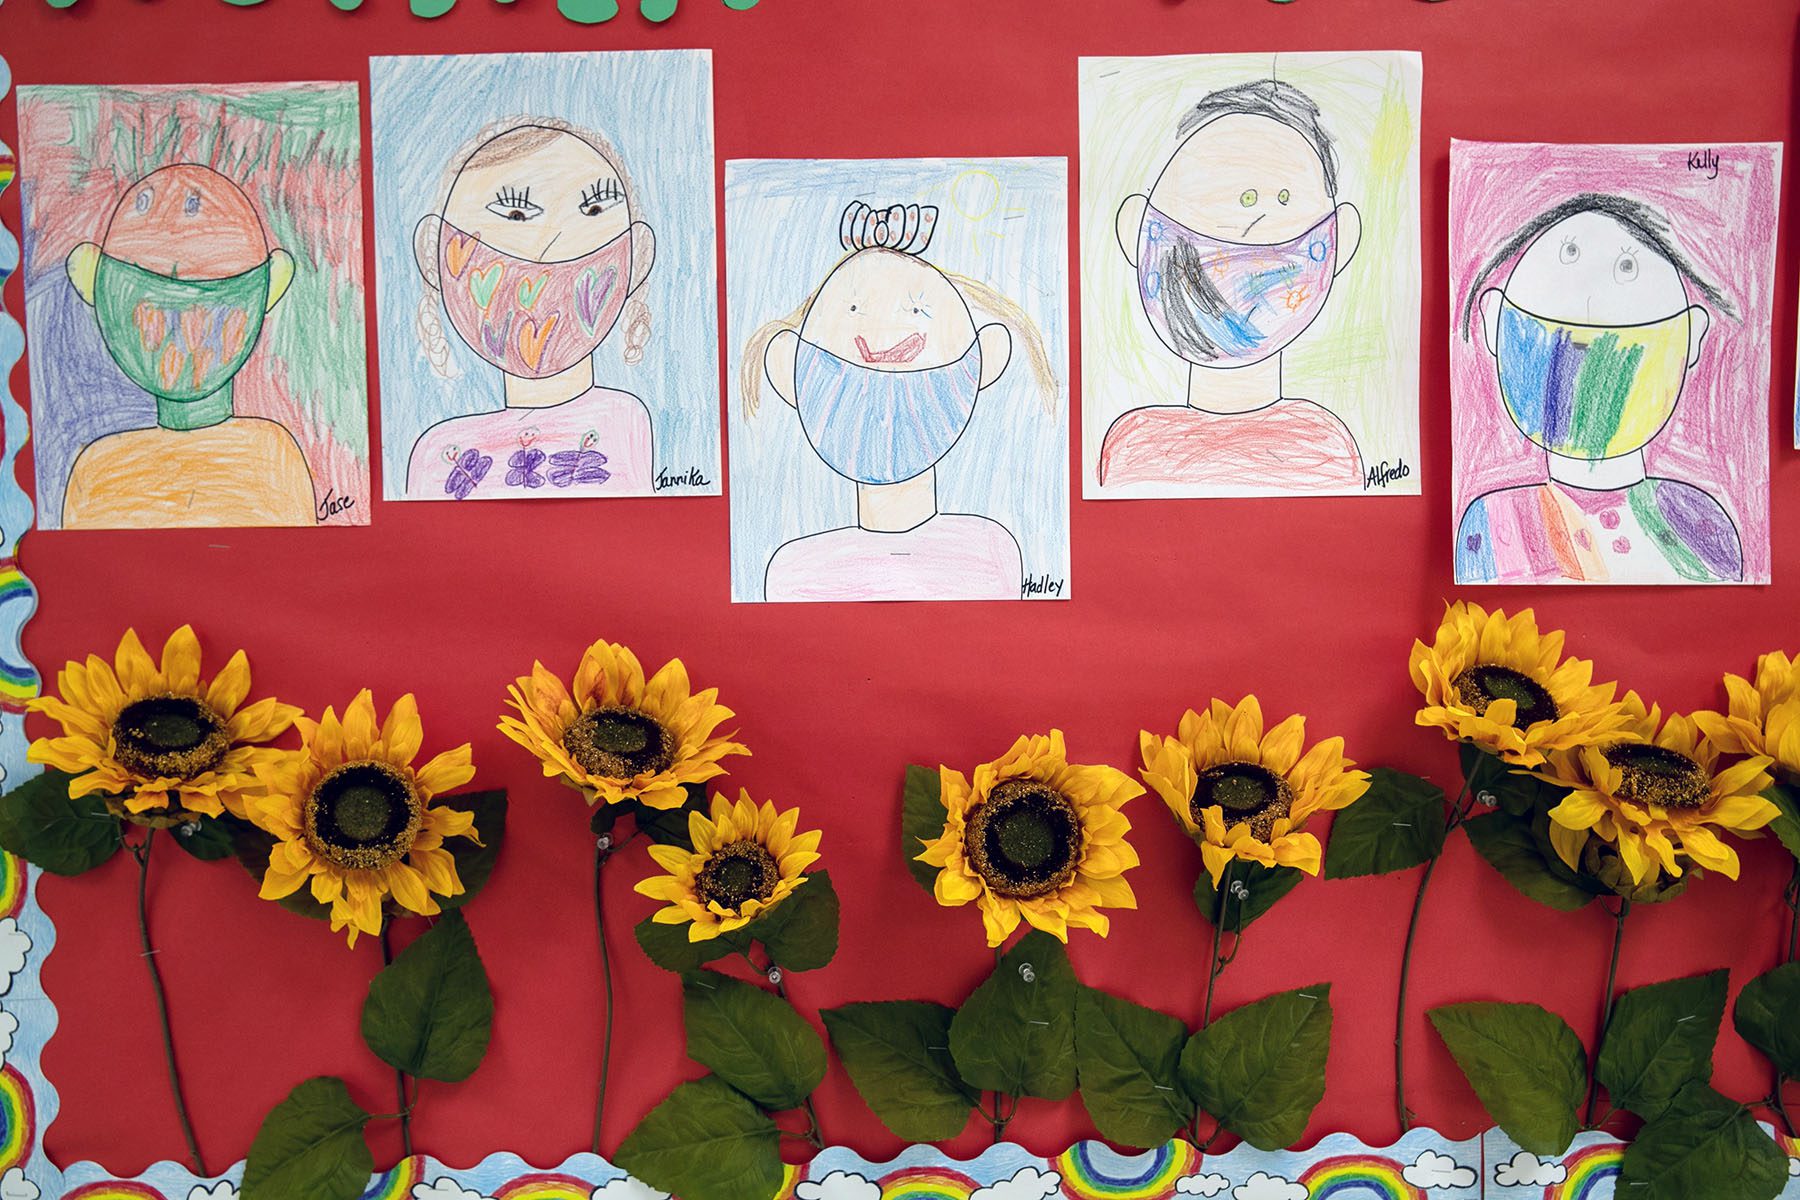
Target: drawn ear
(83, 262)
(281, 273)
(1699, 321)
(643, 254)
(996, 352)
(1126, 223)
(426, 235)
(1349, 235)
(1490, 303)
(778, 364)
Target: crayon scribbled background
(295, 149)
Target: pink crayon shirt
(953, 556)
(597, 444)
(1293, 445)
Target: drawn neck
(897, 507)
(211, 409)
(1601, 475)
(551, 389)
(1235, 389)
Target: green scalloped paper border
(582, 12)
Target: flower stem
(603, 850)
(141, 852)
(774, 975)
(1606, 1006)
(1793, 905)
(1458, 811)
(1222, 897)
(404, 1105)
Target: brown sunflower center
(1247, 792)
(619, 743)
(175, 737)
(1484, 683)
(737, 873)
(363, 816)
(1024, 840)
(1657, 775)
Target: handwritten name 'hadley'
(1704, 160)
(1043, 585)
(692, 477)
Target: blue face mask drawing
(883, 426)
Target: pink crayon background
(1717, 439)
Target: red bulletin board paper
(1312, 604)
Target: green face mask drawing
(178, 339)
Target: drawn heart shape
(1473, 542)
(168, 367)
(529, 292)
(591, 296)
(533, 337)
(495, 341)
(151, 324)
(201, 359)
(196, 323)
(483, 284)
(457, 252)
(233, 333)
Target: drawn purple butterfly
(525, 464)
(578, 466)
(468, 472)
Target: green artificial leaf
(1659, 1040)
(1397, 824)
(668, 946)
(252, 846)
(898, 1055)
(208, 839)
(1489, 775)
(1525, 1064)
(1260, 1069)
(1703, 1147)
(707, 1141)
(752, 1039)
(1508, 844)
(801, 933)
(922, 817)
(475, 863)
(1016, 1032)
(43, 825)
(1787, 826)
(606, 815)
(1261, 887)
(1765, 1017)
(1128, 1063)
(311, 1147)
(430, 1014)
(669, 826)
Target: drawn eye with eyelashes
(514, 204)
(601, 196)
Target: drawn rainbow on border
(927, 1183)
(1346, 1175)
(1148, 1176)
(14, 875)
(1587, 1169)
(115, 1189)
(18, 680)
(792, 1175)
(546, 1186)
(397, 1184)
(18, 1119)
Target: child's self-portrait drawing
(1601, 390)
(885, 366)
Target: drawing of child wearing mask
(1593, 334)
(180, 284)
(1236, 246)
(536, 256)
(884, 364)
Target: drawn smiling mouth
(902, 351)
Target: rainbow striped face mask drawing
(1593, 337)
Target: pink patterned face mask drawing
(531, 319)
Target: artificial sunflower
(1654, 797)
(747, 859)
(1244, 794)
(159, 742)
(1497, 682)
(354, 819)
(616, 737)
(1035, 838)
(1764, 716)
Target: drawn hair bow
(903, 227)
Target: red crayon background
(1311, 604)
